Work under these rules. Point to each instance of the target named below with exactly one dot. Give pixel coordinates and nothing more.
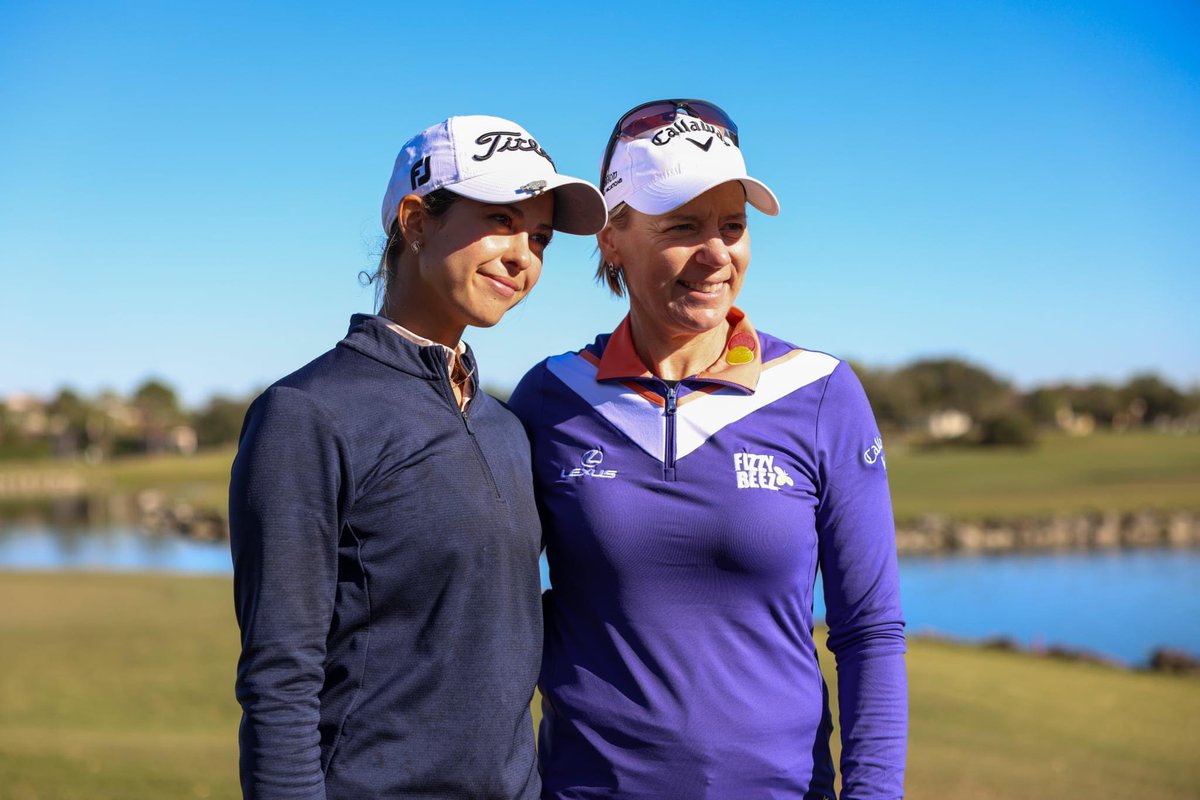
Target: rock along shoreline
(935, 534)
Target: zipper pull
(670, 401)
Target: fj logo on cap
(420, 173)
(506, 142)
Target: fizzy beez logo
(759, 472)
(589, 467)
(509, 142)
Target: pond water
(116, 548)
(1120, 604)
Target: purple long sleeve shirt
(684, 526)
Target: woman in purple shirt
(693, 474)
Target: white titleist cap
(662, 169)
(492, 160)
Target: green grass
(116, 687)
(121, 687)
(207, 471)
(990, 725)
(1118, 472)
(201, 479)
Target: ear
(606, 240)
(412, 218)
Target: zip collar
(372, 336)
(739, 365)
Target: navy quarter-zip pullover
(386, 582)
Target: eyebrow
(675, 218)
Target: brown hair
(436, 204)
(607, 273)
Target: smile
(503, 286)
(706, 288)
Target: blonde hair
(607, 273)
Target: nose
(714, 252)
(518, 256)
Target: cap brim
(665, 196)
(760, 196)
(578, 206)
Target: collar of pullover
(371, 335)
(740, 363)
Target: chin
(488, 320)
(486, 315)
(702, 321)
(484, 320)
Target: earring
(613, 269)
(416, 247)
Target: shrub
(1007, 429)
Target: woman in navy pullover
(384, 532)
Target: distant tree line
(939, 402)
(972, 406)
(151, 420)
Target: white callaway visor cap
(665, 168)
(491, 160)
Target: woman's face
(476, 262)
(684, 269)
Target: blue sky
(189, 191)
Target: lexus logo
(588, 468)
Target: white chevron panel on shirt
(698, 419)
(701, 418)
(635, 416)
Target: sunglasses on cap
(659, 113)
